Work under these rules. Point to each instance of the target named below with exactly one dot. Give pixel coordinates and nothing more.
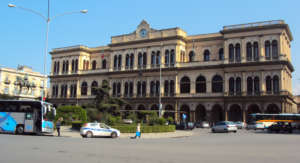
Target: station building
(227, 75)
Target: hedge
(145, 129)
(76, 125)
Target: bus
(19, 117)
(269, 119)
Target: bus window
(2, 106)
(12, 107)
(27, 107)
(272, 117)
(29, 116)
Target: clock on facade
(143, 32)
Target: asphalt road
(243, 146)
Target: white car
(256, 125)
(98, 129)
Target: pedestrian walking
(58, 127)
(138, 131)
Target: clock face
(143, 33)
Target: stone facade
(242, 69)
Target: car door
(104, 130)
(94, 128)
(217, 126)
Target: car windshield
(204, 122)
(230, 123)
(190, 123)
(260, 123)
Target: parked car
(240, 125)
(280, 126)
(129, 121)
(98, 129)
(188, 125)
(204, 124)
(296, 126)
(224, 126)
(256, 125)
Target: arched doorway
(155, 108)
(200, 113)
(216, 114)
(272, 109)
(253, 108)
(167, 113)
(235, 113)
(186, 109)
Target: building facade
(8, 81)
(242, 69)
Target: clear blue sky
(23, 33)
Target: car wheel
(20, 130)
(262, 129)
(234, 131)
(247, 128)
(89, 134)
(83, 136)
(291, 131)
(254, 128)
(213, 131)
(225, 131)
(113, 135)
(269, 130)
(282, 131)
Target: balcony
(7, 81)
(128, 95)
(169, 95)
(273, 58)
(253, 59)
(169, 64)
(142, 66)
(129, 68)
(117, 68)
(236, 60)
(141, 95)
(155, 66)
(251, 93)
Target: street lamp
(48, 21)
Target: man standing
(58, 127)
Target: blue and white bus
(19, 117)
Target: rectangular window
(16, 90)
(24, 91)
(42, 83)
(32, 92)
(12, 107)
(6, 90)
(2, 105)
(27, 107)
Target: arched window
(153, 58)
(157, 57)
(157, 87)
(114, 88)
(144, 58)
(238, 84)
(152, 87)
(274, 48)
(53, 90)
(140, 59)
(84, 62)
(191, 56)
(255, 50)
(256, 84)
(185, 85)
(120, 61)
(118, 88)
(73, 65)
(275, 83)
(221, 54)
(144, 88)
(127, 60)
(200, 84)
(115, 61)
(67, 66)
(231, 84)
(84, 88)
(237, 51)
(249, 84)
(76, 64)
(249, 50)
(167, 56)
(131, 88)
(56, 91)
(131, 59)
(206, 55)
(87, 65)
(172, 56)
(94, 85)
(94, 65)
(66, 89)
(268, 84)
(166, 86)
(267, 49)
(172, 86)
(54, 67)
(104, 64)
(58, 66)
(62, 90)
(126, 89)
(71, 91)
(139, 84)
(231, 51)
(217, 84)
(64, 66)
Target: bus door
(29, 122)
(27, 108)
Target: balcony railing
(253, 93)
(7, 81)
(142, 66)
(155, 66)
(117, 68)
(253, 59)
(168, 95)
(169, 64)
(141, 95)
(129, 67)
(253, 24)
(235, 93)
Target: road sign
(183, 116)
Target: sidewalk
(66, 131)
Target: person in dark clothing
(58, 127)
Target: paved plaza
(243, 146)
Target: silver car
(98, 129)
(256, 125)
(224, 126)
(240, 125)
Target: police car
(98, 129)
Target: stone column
(262, 107)
(193, 87)
(192, 116)
(225, 48)
(136, 59)
(244, 84)
(244, 112)
(225, 112)
(162, 54)
(176, 113)
(123, 60)
(149, 58)
(281, 80)
(78, 90)
(208, 117)
(148, 86)
(261, 49)
(279, 44)
(134, 86)
(226, 82)
(122, 87)
(262, 82)
(243, 52)
(68, 89)
(176, 91)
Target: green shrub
(76, 125)
(118, 118)
(132, 117)
(63, 110)
(75, 117)
(112, 121)
(152, 120)
(162, 121)
(92, 114)
(145, 128)
(170, 119)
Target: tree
(88, 105)
(6, 97)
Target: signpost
(184, 117)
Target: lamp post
(48, 21)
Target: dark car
(281, 127)
(185, 125)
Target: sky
(23, 33)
